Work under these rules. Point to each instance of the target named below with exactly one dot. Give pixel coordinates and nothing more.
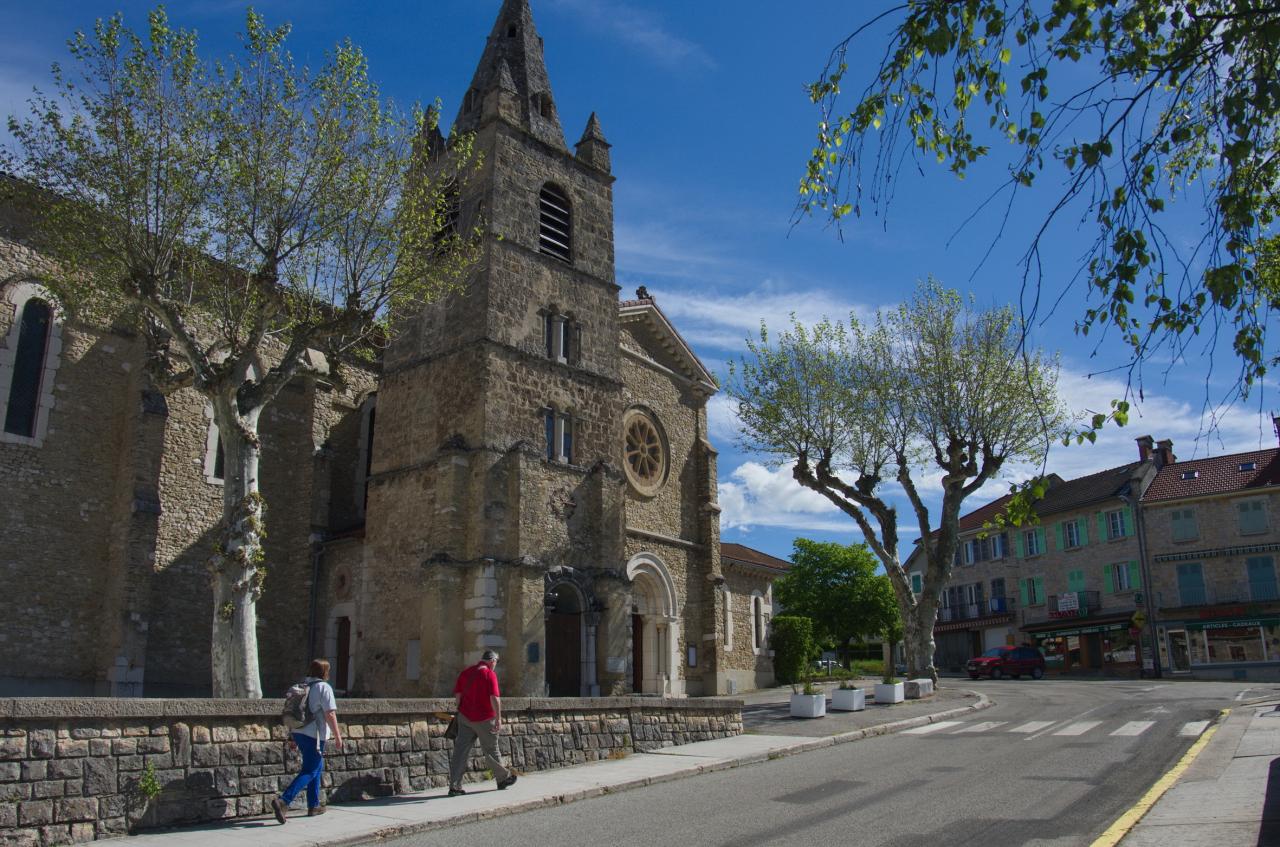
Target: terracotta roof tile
(1216, 475)
(1062, 496)
(752, 556)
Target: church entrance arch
(655, 629)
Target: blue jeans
(312, 771)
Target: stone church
(527, 469)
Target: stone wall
(72, 770)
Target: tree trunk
(918, 639)
(236, 568)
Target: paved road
(1052, 764)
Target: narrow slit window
(555, 230)
(28, 369)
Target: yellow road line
(1129, 819)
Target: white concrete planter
(848, 700)
(808, 705)
(891, 693)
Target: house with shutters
(1069, 585)
(1211, 544)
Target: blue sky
(704, 104)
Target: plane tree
(924, 404)
(238, 214)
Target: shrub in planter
(791, 639)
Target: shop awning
(1081, 626)
(974, 623)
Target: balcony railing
(962, 612)
(1259, 591)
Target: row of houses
(1157, 566)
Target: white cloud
(641, 29)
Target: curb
(401, 830)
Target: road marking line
(1034, 726)
(1078, 728)
(1134, 728)
(1129, 819)
(1192, 729)
(928, 728)
(985, 726)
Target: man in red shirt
(479, 709)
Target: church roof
(752, 556)
(644, 311)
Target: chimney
(1164, 453)
(1145, 444)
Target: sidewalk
(1230, 792)
(391, 817)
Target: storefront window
(1271, 635)
(1236, 644)
(1054, 650)
(1118, 647)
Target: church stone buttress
(496, 505)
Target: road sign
(1139, 619)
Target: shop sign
(1256, 622)
(1083, 630)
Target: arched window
(555, 223)
(757, 622)
(28, 360)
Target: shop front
(1231, 648)
(1107, 646)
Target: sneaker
(504, 784)
(317, 810)
(455, 792)
(278, 806)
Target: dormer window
(1189, 475)
(555, 223)
(1248, 466)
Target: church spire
(512, 64)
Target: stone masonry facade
(526, 469)
(75, 770)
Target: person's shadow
(1269, 834)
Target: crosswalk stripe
(1193, 729)
(1033, 726)
(1079, 728)
(928, 728)
(985, 726)
(1134, 728)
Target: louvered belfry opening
(555, 223)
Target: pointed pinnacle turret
(592, 148)
(514, 44)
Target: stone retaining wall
(77, 769)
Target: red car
(1007, 661)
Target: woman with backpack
(310, 739)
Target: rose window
(646, 458)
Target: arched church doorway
(564, 641)
(654, 628)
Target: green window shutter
(1062, 541)
(915, 583)
(1108, 585)
(1040, 538)
(1039, 580)
(1022, 590)
(1075, 581)
(1135, 575)
(1102, 526)
(1130, 525)
(1018, 540)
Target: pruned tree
(934, 392)
(1129, 107)
(240, 213)
(837, 587)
